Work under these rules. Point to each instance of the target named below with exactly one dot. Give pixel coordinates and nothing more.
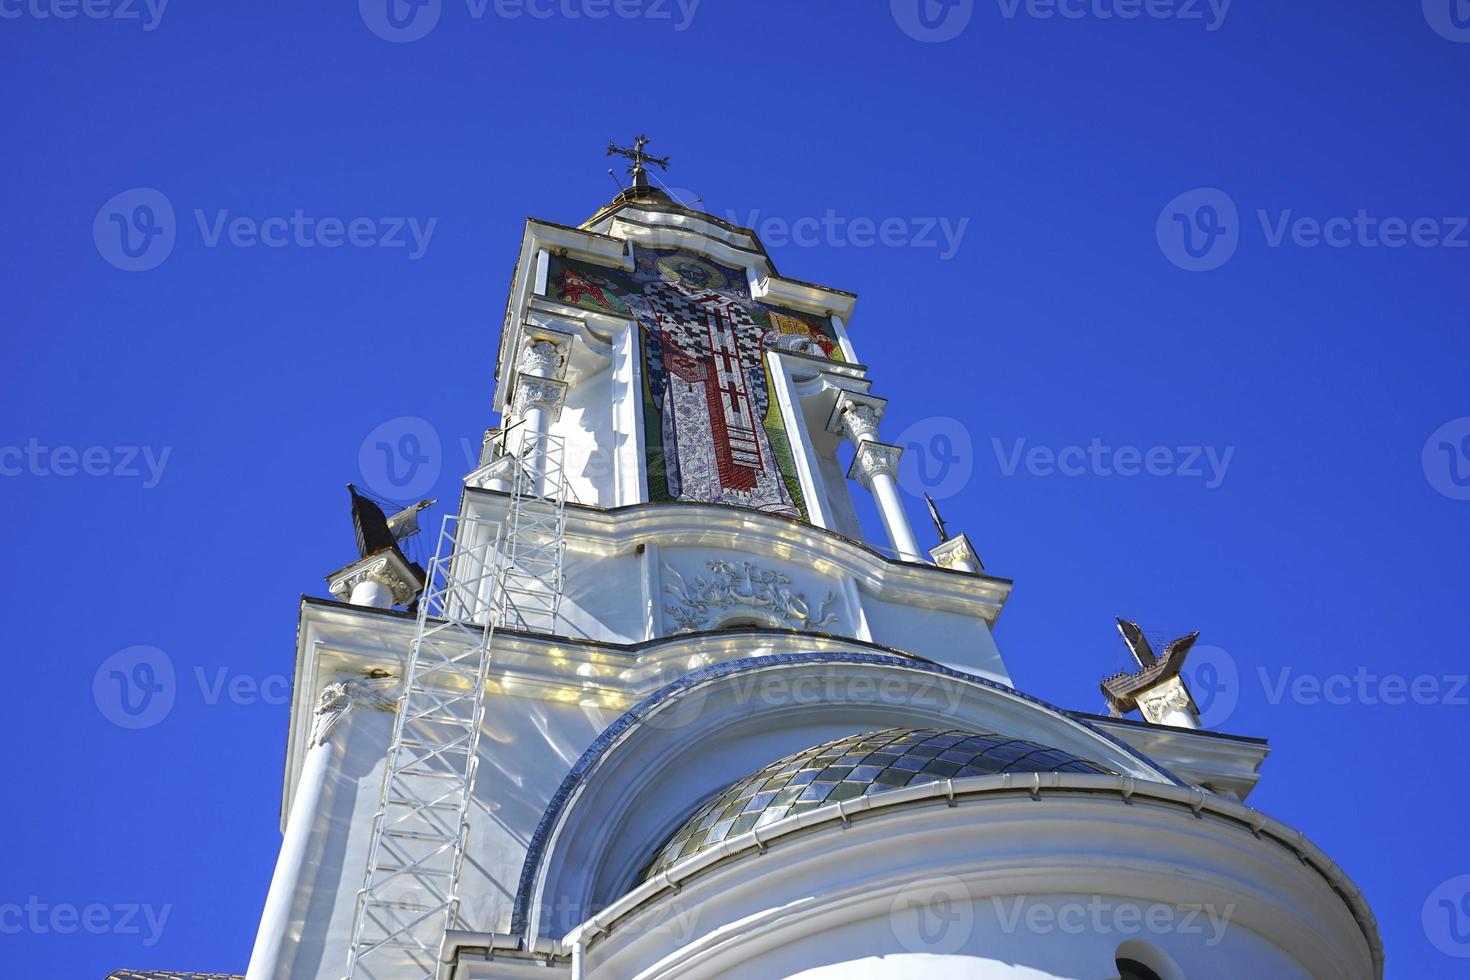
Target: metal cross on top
(639, 158)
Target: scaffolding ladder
(484, 574)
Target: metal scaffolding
(484, 574)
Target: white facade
(698, 643)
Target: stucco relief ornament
(540, 357)
(742, 585)
(1173, 698)
(334, 703)
(533, 392)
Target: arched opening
(1137, 960)
(1134, 970)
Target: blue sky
(1192, 350)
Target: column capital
(544, 351)
(502, 467)
(874, 459)
(958, 554)
(387, 568)
(536, 392)
(856, 416)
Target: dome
(847, 767)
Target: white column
(538, 397)
(323, 755)
(370, 592)
(875, 466)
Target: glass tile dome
(847, 767)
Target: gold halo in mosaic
(686, 270)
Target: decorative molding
(874, 459)
(331, 708)
(742, 585)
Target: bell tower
(657, 708)
(688, 370)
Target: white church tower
(658, 710)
